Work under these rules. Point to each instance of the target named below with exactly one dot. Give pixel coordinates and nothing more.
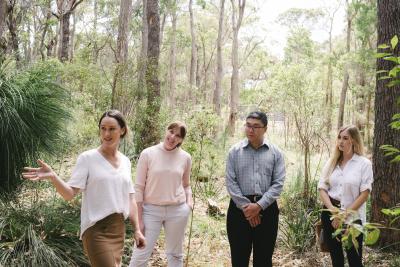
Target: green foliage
(206, 162)
(393, 75)
(393, 213)
(40, 233)
(299, 216)
(32, 113)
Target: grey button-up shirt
(252, 171)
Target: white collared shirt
(347, 184)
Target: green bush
(40, 233)
(299, 216)
(32, 113)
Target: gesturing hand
(44, 172)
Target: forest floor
(209, 243)
(210, 248)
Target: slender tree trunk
(141, 90)
(234, 100)
(219, 70)
(193, 58)
(386, 192)
(65, 33)
(368, 126)
(71, 45)
(65, 8)
(45, 30)
(118, 97)
(12, 23)
(345, 83)
(3, 26)
(95, 51)
(150, 133)
(164, 17)
(172, 58)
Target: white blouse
(347, 184)
(105, 189)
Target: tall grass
(299, 215)
(40, 233)
(32, 113)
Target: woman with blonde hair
(345, 185)
(164, 196)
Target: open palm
(42, 173)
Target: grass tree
(32, 112)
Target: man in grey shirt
(255, 172)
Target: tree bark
(12, 23)
(118, 100)
(386, 191)
(234, 100)
(345, 83)
(64, 9)
(45, 29)
(141, 90)
(172, 58)
(149, 132)
(71, 45)
(193, 58)
(219, 70)
(3, 25)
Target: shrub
(32, 112)
(40, 233)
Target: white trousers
(174, 218)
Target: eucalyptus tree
(193, 57)
(350, 14)
(219, 70)
(295, 93)
(64, 11)
(3, 25)
(149, 132)
(234, 95)
(386, 193)
(121, 56)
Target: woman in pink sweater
(163, 196)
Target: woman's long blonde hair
(337, 155)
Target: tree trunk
(64, 38)
(386, 191)
(345, 83)
(149, 132)
(95, 51)
(65, 8)
(12, 23)
(141, 90)
(3, 25)
(193, 58)
(172, 58)
(71, 45)
(118, 100)
(234, 100)
(45, 29)
(219, 70)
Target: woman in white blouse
(103, 175)
(345, 184)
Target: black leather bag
(321, 240)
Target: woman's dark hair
(117, 115)
(258, 115)
(180, 126)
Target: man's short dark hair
(258, 115)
